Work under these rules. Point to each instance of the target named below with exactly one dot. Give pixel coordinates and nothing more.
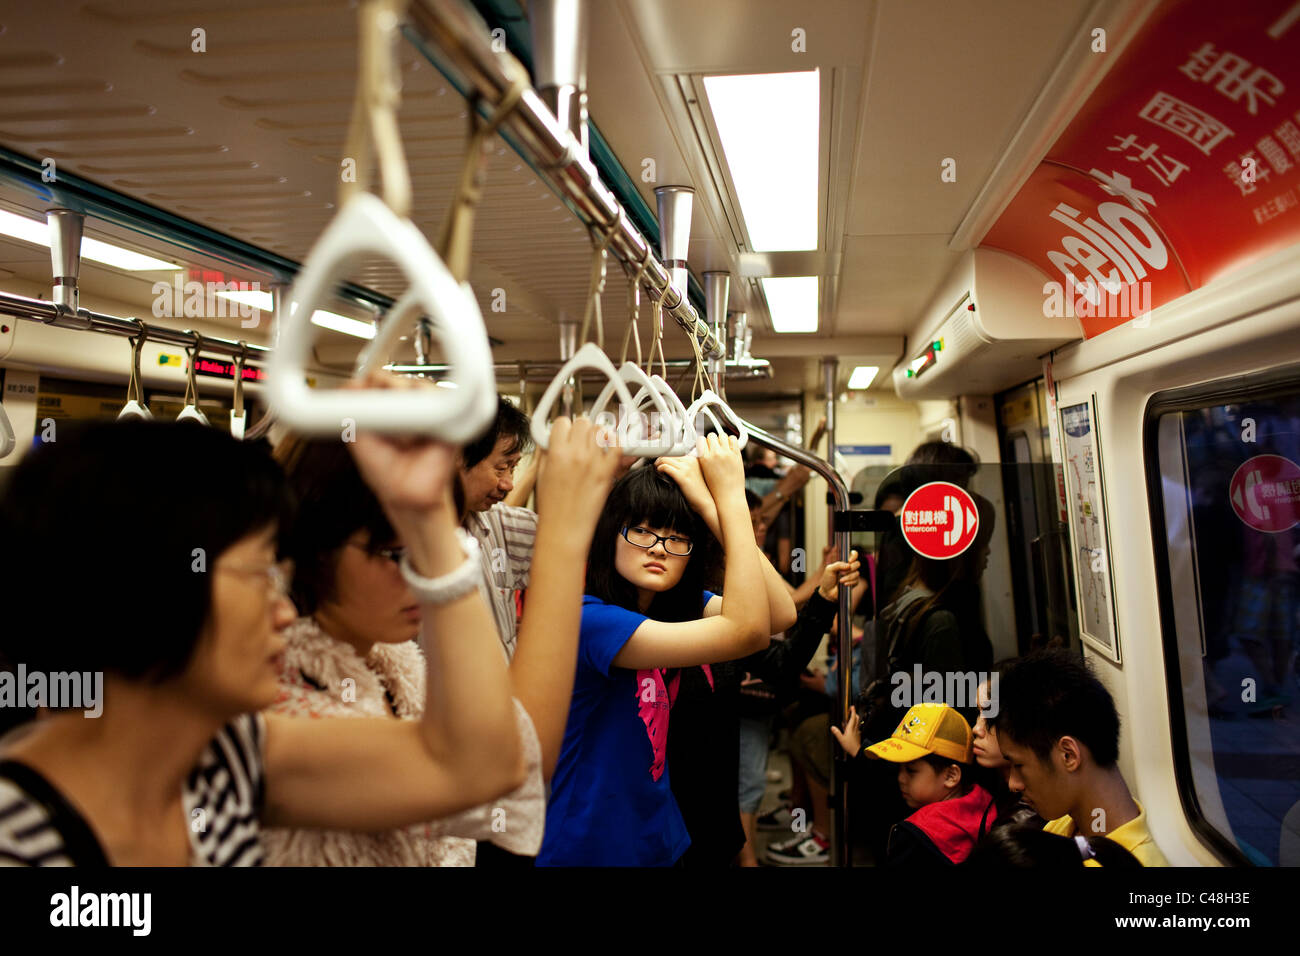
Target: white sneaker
(800, 850)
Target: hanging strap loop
(658, 333)
(458, 231)
(135, 387)
(597, 283)
(634, 309)
(373, 130)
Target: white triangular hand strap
(134, 409)
(191, 413)
(366, 226)
(682, 441)
(639, 440)
(708, 401)
(589, 356)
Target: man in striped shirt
(505, 534)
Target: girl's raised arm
(575, 480)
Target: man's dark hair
(752, 499)
(510, 423)
(111, 535)
(1032, 848)
(333, 503)
(1053, 694)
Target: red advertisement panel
(1183, 165)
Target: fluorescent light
(258, 300)
(20, 227)
(124, 259)
(792, 303)
(341, 323)
(863, 376)
(37, 232)
(769, 124)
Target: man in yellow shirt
(1057, 725)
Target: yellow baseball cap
(927, 729)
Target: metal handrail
(84, 320)
(463, 39)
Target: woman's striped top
(223, 798)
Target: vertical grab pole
(829, 368)
(840, 856)
(841, 851)
(717, 289)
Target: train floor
(778, 761)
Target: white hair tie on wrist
(448, 587)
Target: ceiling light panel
(769, 125)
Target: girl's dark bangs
(657, 500)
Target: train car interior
(1062, 237)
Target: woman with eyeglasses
(646, 614)
(351, 654)
(146, 552)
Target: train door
(1045, 611)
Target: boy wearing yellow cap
(936, 778)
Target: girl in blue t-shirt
(646, 614)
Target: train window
(1224, 484)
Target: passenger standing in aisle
(646, 614)
(179, 732)
(506, 534)
(352, 654)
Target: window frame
(1236, 389)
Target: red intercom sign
(939, 520)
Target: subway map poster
(1088, 529)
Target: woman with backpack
(934, 625)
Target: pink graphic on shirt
(654, 702)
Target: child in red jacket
(936, 778)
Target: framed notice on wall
(1089, 535)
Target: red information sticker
(1265, 493)
(939, 520)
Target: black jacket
(704, 735)
(779, 664)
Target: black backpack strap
(984, 820)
